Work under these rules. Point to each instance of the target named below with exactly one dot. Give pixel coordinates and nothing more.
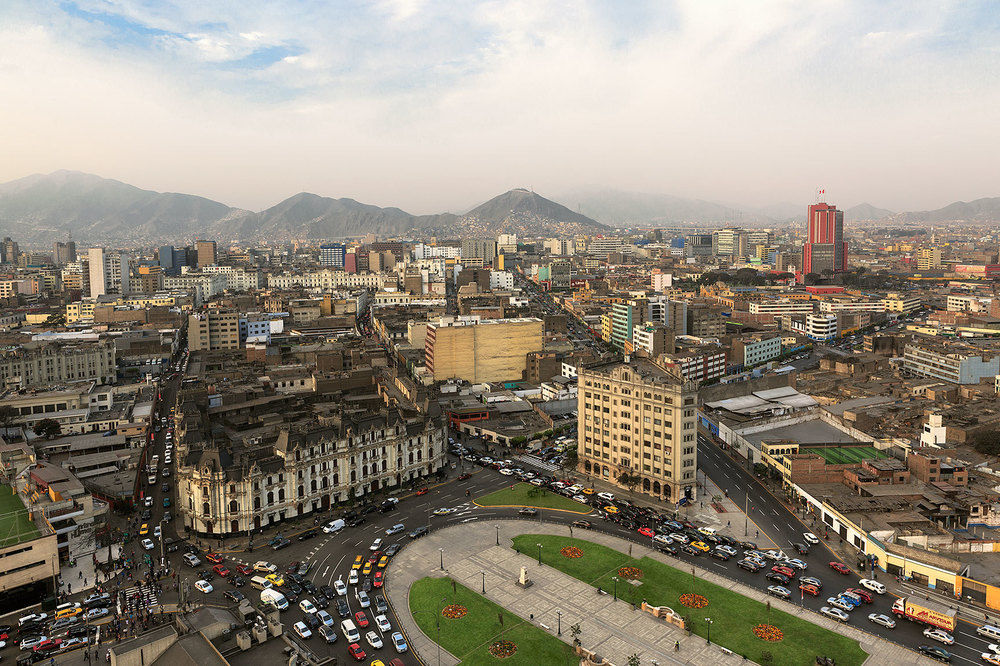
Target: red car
(840, 567)
(646, 532)
(361, 619)
(47, 646)
(465, 476)
(863, 594)
(293, 567)
(423, 491)
(809, 589)
(221, 570)
(355, 651)
(784, 571)
(375, 557)
(214, 558)
(244, 570)
(377, 582)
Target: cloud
(431, 105)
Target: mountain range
(41, 208)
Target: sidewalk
(612, 629)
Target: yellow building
(928, 258)
(489, 350)
(606, 327)
(636, 427)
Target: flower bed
(630, 573)
(454, 611)
(571, 552)
(768, 632)
(503, 649)
(693, 600)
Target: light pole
(709, 620)
(539, 554)
(163, 556)
(484, 581)
(614, 579)
(441, 550)
(559, 620)
(498, 534)
(746, 518)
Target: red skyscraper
(825, 247)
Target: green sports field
(842, 455)
(15, 526)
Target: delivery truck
(927, 612)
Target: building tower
(825, 247)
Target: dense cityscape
(210, 445)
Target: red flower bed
(503, 649)
(454, 611)
(693, 600)
(571, 552)
(768, 632)
(630, 573)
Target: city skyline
(432, 107)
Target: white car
(352, 578)
(376, 544)
(872, 585)
(340, 588)
(810, 538)
(95, 613)
(707, 530)
(204, 586)
(607, 496)
(835, 613)
(148, 544)
(884, 620)
(507, 472)
(582, 499)
(306, 606)
(382, 622)
(302, 630)
(373, 639)
(363, 599)
(537, 482)
(148, 502)
(157, 532)
(797, 563)
(940, 635)
(840, 603)
(443, 511)
(30, 642)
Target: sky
(435, 106)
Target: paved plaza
(612, 629)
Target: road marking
(324, 573)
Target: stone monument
(522, 580)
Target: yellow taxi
(144, 530)
(264, 567)
(384, 561)
(700, 545)
(587, 491)
(357, 562)
(275, 579)
(68, 612)
(611, 509)
(368, 568)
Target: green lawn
(15, 526)
(525, 494)
(733, 614)
(840, 455)
(469, 637)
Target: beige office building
(637, 418)
(207, 252)
(214, 329)
(488, 350)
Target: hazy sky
(439, 105)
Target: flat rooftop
(844, 455)
(15, 525)
(805, 433)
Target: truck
(926, 612)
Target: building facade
(490, 350)
(637, 422)
(37, 363)
(825, 247)
(214, 329)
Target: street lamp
(441, 550)
(709, 620)
(559, 620)
(615, 581)
(539, 554)
(484, 581)
(498, 534)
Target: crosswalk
(537, 462)
(142, 595)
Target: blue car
(166, 501)
(399, 643)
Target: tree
(47, 428)
(629, 480)
(811, 278)
(575, 631)
(987, 442)
(633, 660)
(7, 416)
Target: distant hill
(523, 212)
(40, 208)
(865, 211)
(980, 210)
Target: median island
(525, 494)
(743, 625)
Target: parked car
(840, 567)
(884, 620)
(779, 591)
(934, 652)
(835, 614)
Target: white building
(330, 279)
(959, 364)
(782, 307)
(662, 281)
(501, 280)
(852, 306)
(237, 278)
(934, 432)
(968, 303)
(109, 272)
